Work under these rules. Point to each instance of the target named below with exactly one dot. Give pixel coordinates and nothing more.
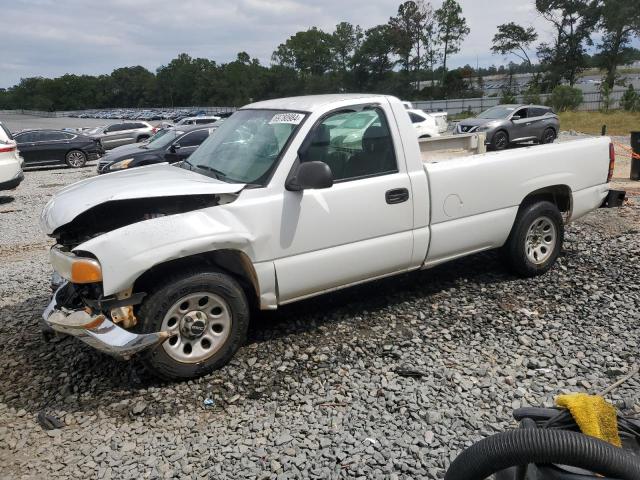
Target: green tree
(630, 101)
(405, 31)
(620, 21)
(514, 39)
(372, 63)
(452, 30)
(574, 21)
(309, 52)
(565, 98)
(346, 40)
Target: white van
(10, 161)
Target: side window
(25, 137)
(538, 112)
(415, 118)
(354, 144)
(69, 136)
(50, 136)
(522, 113)
(194, 139)
(139, 125)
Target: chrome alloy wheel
(201, 324)
(540, 241)
(76, 158)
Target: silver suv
(508, 124)
(123, 133)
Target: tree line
(409, 56)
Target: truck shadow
(70, 376)
(483, 268)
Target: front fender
(128, 252)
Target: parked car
(425, 124)
(201, 120)
(508, 124)
(173, 145)
(122, 133)
(10, 161)
(271, 210)
(54, 147)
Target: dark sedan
(168, 145)
(56, 147)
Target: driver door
(520, 127)
(361, 227)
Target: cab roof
(309, 103)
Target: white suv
(10, 161)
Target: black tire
(154, 310)
(75, 158)
(500, 140)
(518, 251)
(548, 136)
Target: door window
(538, 112)
(193, 139)
(26, 137)
(52, 136)
(522, 113)
(355, 144)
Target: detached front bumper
(97, 330)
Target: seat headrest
(374, 137)
(321, 136)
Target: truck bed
(448, 147)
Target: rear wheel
(142, 138)
(76, 158)
(500, 140)
(536, 239)
(208, 314)
(548, 136)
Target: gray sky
(53, 37)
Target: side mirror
(173, 148)
(310, 175)
(515, 117)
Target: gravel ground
(317, 391)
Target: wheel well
(559, 195)
(142, 137)
(232, 262)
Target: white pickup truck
(289, 199)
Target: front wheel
(536, 239)
(76, 159)
(500, 140)
(208, 315)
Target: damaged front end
(104, 227)
(79, 308)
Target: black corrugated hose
(543, 447)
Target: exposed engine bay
(116, 214)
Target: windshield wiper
(218, 174)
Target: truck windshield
(246, 147)
(496, 113)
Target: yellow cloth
(594, 415)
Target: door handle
(397, 195)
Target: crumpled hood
(141, 182)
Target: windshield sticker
(291, 118)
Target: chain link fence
(592, 101)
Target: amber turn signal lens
(85, 271)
